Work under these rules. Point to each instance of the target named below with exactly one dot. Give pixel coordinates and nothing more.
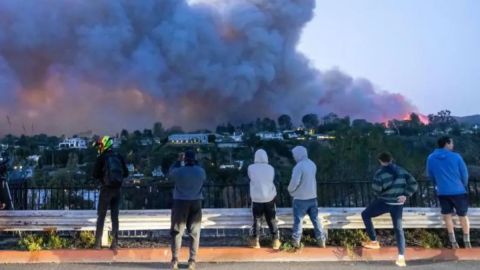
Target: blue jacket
(448, 172)
(189, 182)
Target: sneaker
(255, 243)
(468, 245)
(276, 244)
(371, 244)
(174, 265)
(401, 262)
(114, 246)
(454, 245)
(191, 265)
(321, 243)
(296, 244)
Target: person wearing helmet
(110, 169)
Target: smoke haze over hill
(69, 66)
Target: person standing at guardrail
(263, 193)
(303, 189)
(187, 205)
(449, 174)
(392, 185)
(110, 169)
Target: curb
(234, 254)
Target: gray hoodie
(303, 185)
(261, 174)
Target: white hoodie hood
(261, 174)
(299, 153)
(261, 156)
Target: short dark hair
(190, 157)
(385, 157)
(443, 141)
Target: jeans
(302, 208)
(379, 207)
(109, 197)
(267, 210)
(186, 214)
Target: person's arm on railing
(412, 185)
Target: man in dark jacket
(4, 191)
(187, 205)
(392, 185)
(109, 169)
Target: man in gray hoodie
(263, 192)
(187, 206)
(303, 189)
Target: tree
(362, 125)
(147, 133)
(124, 134)
(211, 138)
(443, 120)
(158, 130)
(269, 124)
(310, 121)
(285, 122)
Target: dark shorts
(450, 202)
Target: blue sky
(427, 50)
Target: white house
(34, 158)
(237, 164)
(73, 143)
(270, 135)
(157, 172)
(237, 137)
(390, 131)
(198, 138)
(323, 137)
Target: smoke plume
(70, 66)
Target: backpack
(113, 171)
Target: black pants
(267, 210)
(109, 197)
(186, 214)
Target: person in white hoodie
(263, 193)
(303, 189)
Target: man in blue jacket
(189, 178)
(449, 174)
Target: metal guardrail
(240, 218)
(159, 196)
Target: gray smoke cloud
(68, 66)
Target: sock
(466, 238)
(451, 237)
(400, 256)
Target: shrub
(85, 239)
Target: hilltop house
(73, 143)
(196, 138)
(270, 135)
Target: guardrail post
(105, 237)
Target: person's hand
(401, 199)
(2, 206)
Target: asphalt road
(424, 265)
